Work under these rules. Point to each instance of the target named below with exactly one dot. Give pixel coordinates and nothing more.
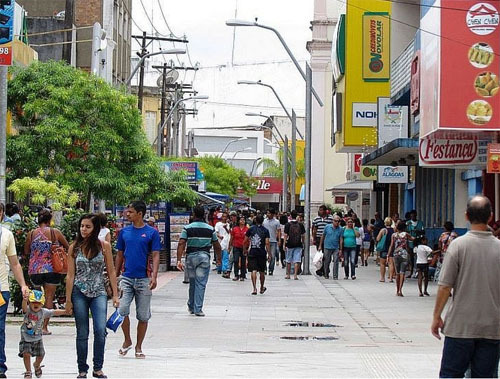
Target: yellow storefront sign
(368, 173)
(376, 47)
(361, 89)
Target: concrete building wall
(44, 24)
(328, 167)
(408, 13)
(43, 8)
(461, 198)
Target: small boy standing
(31, 344)
(422, 252)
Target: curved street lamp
(255, 23)
(160, 131)
(240, 151)
(259, 83)
(170, 51)
(230, 142)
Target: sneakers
(200, 314)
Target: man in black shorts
(256, 245)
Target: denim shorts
(293, 255)
(138, 289)
(401, 264)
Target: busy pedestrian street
(311, 327)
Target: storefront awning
(353, 186)
(207, 200)
(400, 152)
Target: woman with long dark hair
(38, 248)
(88, 258)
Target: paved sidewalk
(373, 333)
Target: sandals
(38, 371)
(82, 375)
(124, 350)
(101, 375)
(27, 375)
(262, 290)
(254, 293)
(140, 355)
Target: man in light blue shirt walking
(331, 242)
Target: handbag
(59, 256)
(318, 260)
(114, 321)
(381, 243)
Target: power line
(240, 105)
(150, 21)
(165, 19)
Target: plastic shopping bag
(318, 260)
(114, 321)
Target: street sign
(6, 31)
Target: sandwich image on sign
(479, 112)
(481, 55)
(486, 84)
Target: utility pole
(183, 134)
(308, 134)
(68, 24)
(293, 177)
(143, 52)
(285, 174)
(163, 108)
(144, 45)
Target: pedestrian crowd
(258, 244)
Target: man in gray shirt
(472, 324)
(273, 226)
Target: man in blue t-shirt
(135, 243)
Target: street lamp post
(259, 83)
(255, 23)
(309, 92)
(230, 142)
(260, 127)
(253, 166)
(160, 130)
(239, 151)
(252, 114)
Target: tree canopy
(84, 134)
(221, 177)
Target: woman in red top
(236, 243)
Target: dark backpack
(295, 234)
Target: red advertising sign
(451, 152)
(470, 65)
(493, 166)
(358, 159)
(267, 185)
(339, 200)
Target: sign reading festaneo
(376, 47)
(390, 174)
(6, 31)
(446, 152)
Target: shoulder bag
(59, 255)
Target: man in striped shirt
(318, 227)
(195, 242)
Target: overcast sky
(211, 44)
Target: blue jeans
(198, 268)
(275, 255)
(3, 316)
(458, 353)
(81, 306)
(350, 259)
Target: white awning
(353, 186)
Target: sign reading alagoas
(376, 47)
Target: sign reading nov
(6, 31)
(376, 46)
(190, 167)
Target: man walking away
(294, 242)
(332, 241)
(318, 226)
(274, 228)
(257, 239)
(472, 322)
(135, 243)
(195, 242)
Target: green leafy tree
(84, 133)
(38, 191)
(221, 177)
(275, 169)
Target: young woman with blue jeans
(350, 235)
(85, 290)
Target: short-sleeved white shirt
(7, 249)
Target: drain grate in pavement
(308, 338)
(307, 324)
